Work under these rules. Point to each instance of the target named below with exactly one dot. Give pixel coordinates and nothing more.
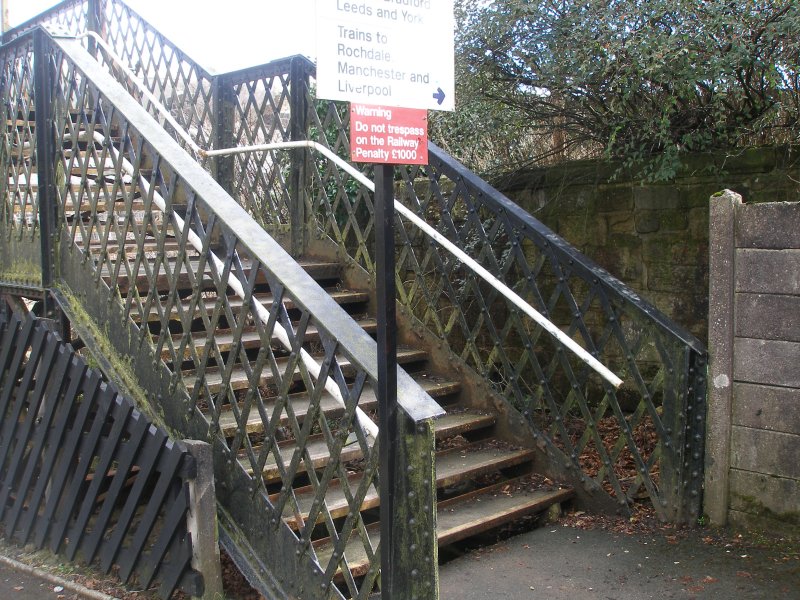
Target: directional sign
(386, 52)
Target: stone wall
(753, 436)
(654, 237)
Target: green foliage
(346, 199)
(640, 81)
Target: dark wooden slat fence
(83, 472)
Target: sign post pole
(399, 54)
(387, 362)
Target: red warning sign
(387, 134)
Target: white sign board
(386, 52)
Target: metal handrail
(501, 287)
(18, 30)
(462, 256)
(314, 368)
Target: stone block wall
(654, 237)
(753, 436)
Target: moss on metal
(22, 271)
(117, 368)
(416, 547)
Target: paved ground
(566, 563)
(21, 586)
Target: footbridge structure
(202, 244)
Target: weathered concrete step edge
(343, 297)
(452, 468)
(456, 521)
(239, 379)
(436, 387)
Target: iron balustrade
(173, 78)
(154, 248)
(19, 203)
(76, 16)
(566, 407)
(651, 426)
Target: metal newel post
(202, 521)
(4, 16)
(93, 23)
(298, 131)
(223, 101)
(45, 158)
(387, 368)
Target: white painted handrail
(510, 294)
(501, 287)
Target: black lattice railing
(652, 426)
(82, 472)
(570, 408)
(73, 15)
(260, 114)
(19, 208)
(227, 334)
(344, 210)
(179, 83)
(247, 107)
(662, 365)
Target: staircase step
(319, 270)
(149, 245)
(101, 205)
(316, 451)
(29, 116)
(462, 464)
(480, 511)
(24, 150)
(436, 387)
(91, 167)
(342, 297)
(449, 468)
(76, 185)
(335, 498)
(239, 379)
(250, 339)
(14, 123)
(455, 521)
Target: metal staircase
(239, 309)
